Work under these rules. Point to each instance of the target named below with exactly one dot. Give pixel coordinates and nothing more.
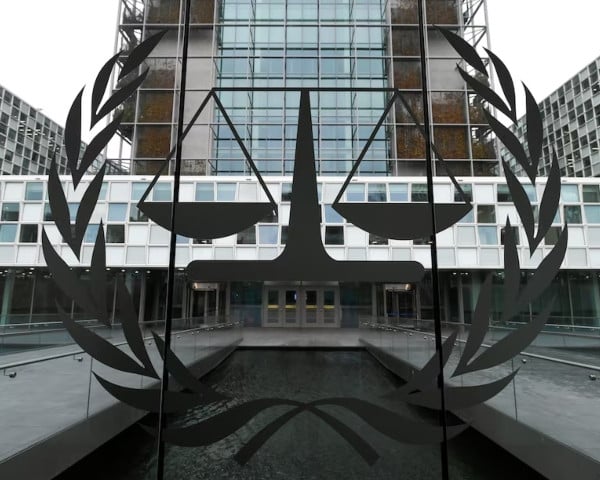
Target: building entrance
(400, 303)
(301, 306)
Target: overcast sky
(50, 48)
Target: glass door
(291, 311)
(272, 313)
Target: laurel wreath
(421, 388)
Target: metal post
(160, 463)
(433, 242)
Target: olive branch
(421, 388)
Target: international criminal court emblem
(305, 259)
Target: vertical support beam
(142, 307)
(217, 304)
(33, 287)
(596, 299)
(385, 310)
(9, 285)
(228, 302)
(460, 300)
(374, 302)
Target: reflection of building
(571, 116)
(368, 43)
(30, 141)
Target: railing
(549, 383)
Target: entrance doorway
(400, 303)
(301, 306)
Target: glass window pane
(34, 191)
(419, 193)
(10, 212)
(91, 233)
(138, 189)
(486, 214)
(504, 193)
(267, 234)
(286, 192)
(331, 216)
(377, 192)
(334, 235)
(8, 233)
(205, 192)
(162, 192)
(355, 192)
(572, 213)
(377, 240)
(591, 193)
(29, 234)
(115, 233)
(467, 190)
(468, 218)
(465, 236)
(516, 234)
(136, 215)
(398, 192)
(552, 235)
(117, 212)
(226, 192)
(247, 237)
(488, 235)
(569, 193)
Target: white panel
(533, 261)
(223, 253)
(202, 253)
(158, 256)
(423, 256)
(86, 256)
(247, 192)
(357, 254)
(275, 190)
(14, 191)
(53, 234)
(484, 194)
(267, 253)
(489, 257)
(99, 213)
(593, 235)
(446, 237)
(230, 240)
(594, 257)
(576, 257)
(443, 193)
(27, 255)
(76, 195)
(330, 191)
(32, 212)
(284, 214)
(7, 254)
(378, 253)
(159, 235)
(115, 256)
(465, 236)
(136, 256)
(182, 256)
(119, 192)
(246, 253)
(69, 257)
(187, 192)
(467, 257)
(400, 254)
(137, 234)
(502, 211)
(337, 253)
(446, 257)
(355, 237)
(576, 238)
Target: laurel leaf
(98, 275)
(149, 399)
(66, 279)
(510, 141)
(427, 376)
(511, 345)
(122, 94)
(550, 200)
(506, 81)
(86, 207)
(546, 271)
(486, 93)
(99, 348)
(182, 375)
(512, 273)
(523, 205)
(60, 209)
(73, 134)
(457, 398)
(96, 146)
(100, 86)
(479, 326)
(131, 328)
(464, 49)
(535, 130)
(139, 53)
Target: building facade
(571, 118)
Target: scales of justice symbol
(304, 257)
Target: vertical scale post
(164, 387)
(433, 241)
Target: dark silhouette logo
(304, 258)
